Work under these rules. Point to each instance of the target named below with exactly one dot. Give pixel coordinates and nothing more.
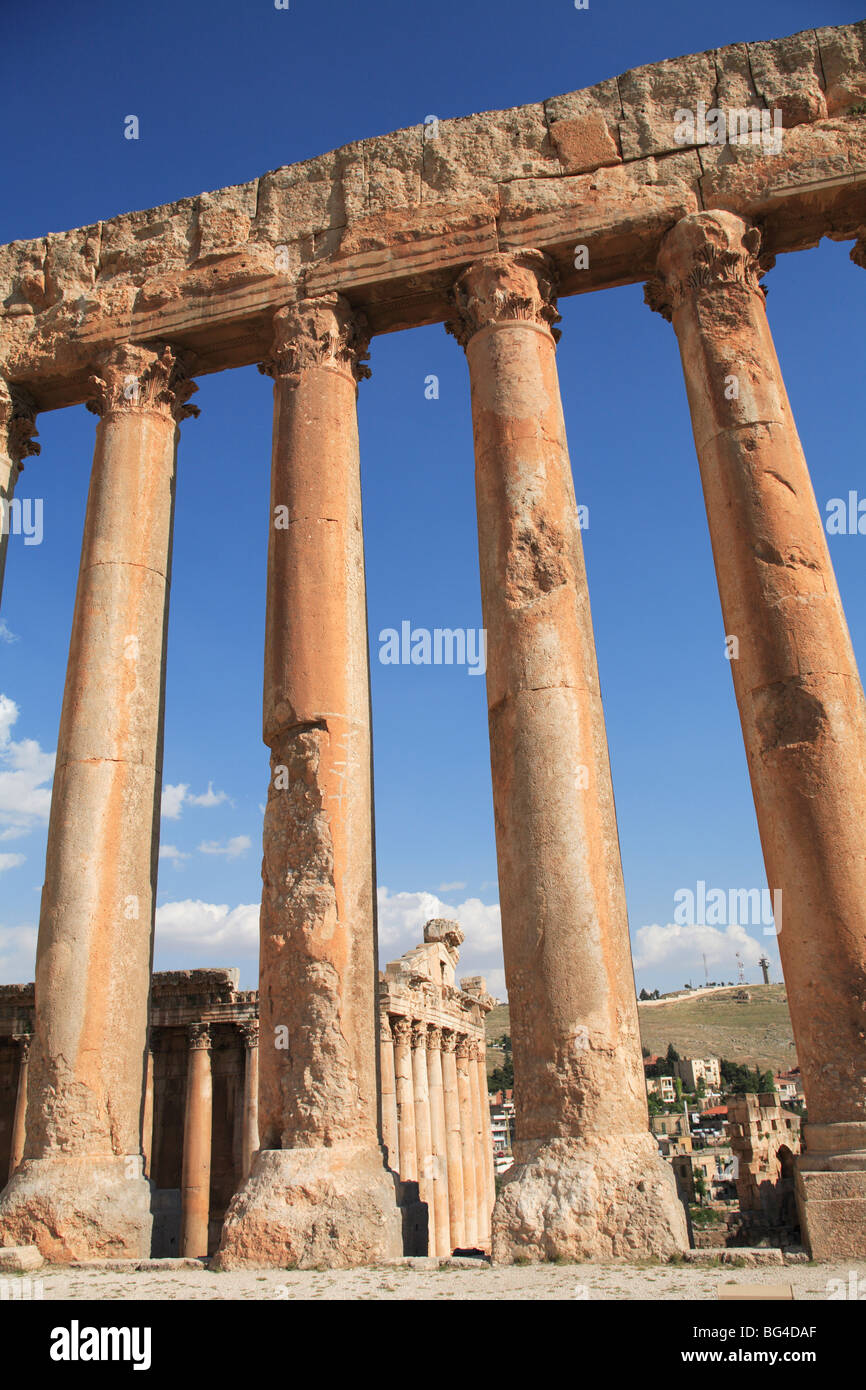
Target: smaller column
(405, 1098)
(388, 1092)
(483, 1207)
(195, 1182)
(453, 1146)
(467, 1144)
(423, 1139)
(437, 1134)
(17, 426)
(250, 1135)
(19, 1123)
(147, 1115)
(486, 1127)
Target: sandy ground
(384, 1282)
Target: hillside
(757, 1033)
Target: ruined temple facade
(200, 1128)
(481, 224)
(765, 1140)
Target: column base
(79, 1208)
(830, 1187)
(565, 1199)
(300, 1208)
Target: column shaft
(195, 1181)
(482, 1197)
(438, 1142)
(147, 1115)
(798, 692)
(93, 958)
(405, 1096)
(454, 1150)
(423, 1135)
(579, 1085)
(19, 1121)
(467, 1144)
(318, 1106)
(388, 1092)
(250, 1134)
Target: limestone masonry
(355, 1141)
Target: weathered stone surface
(651, 97)
(19, 1259)
(471, 156)
(295, 1211)
(563, 1199)
(843, 61)
(76, 1207)
(788, 75)
(584, 142)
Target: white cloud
(24, 768)
(451, 887)
(6, 635)
(678, 950)
(172, 800)
(208, 926)
(17, 955)
(208, 798)
(173, 853)
(232, 849)
(401, 923)
(11, 861)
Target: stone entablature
(389, 221)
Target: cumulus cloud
(6, 635)
(232, 849)
(208, 926)
(173, 853)
(17, 954)
(451, 887)
(24, 769)
(401, 922)
(177, 795)
(10, 861)
(676, 951)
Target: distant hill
(757, 1033)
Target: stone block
(788, 75)
(20, 1259)
(843, 60)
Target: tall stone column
(250, 1131)
(19, 1119)
(453, 1147)
(584, 1157)
(405, 1094)
(798, 691)
(486, 1127)
(483, 1205)
(438, 1142)
(17, 426)
(80, 1190)
(388, 1093)
(423, 1133)
(467, 1144)
(147, 1115)
(197, 1126)
(319, 1191)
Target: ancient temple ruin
(478, 223)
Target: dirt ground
(435, 1280)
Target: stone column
(486, 1127)
(467, 1144)
(250, 1131)
(438, 1142)
(321, 1167)
(579, 1083)
(452, 1140)
(19, 1121)
(798, 691)
(197, 1122)
(483, 1205)
(388, 1092)
(405, 1095)
(423, 1134)
(80, 1190)
(147, 1115)
(17, 426)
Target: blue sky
(225, 91)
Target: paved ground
(524, 1283)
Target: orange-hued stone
(798, 691)
(319, 1191)
(586, 1180)
(17, 426)
(80, 1189)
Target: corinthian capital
(134, 378)
(706, 251)
(198, 1037)
(323, 332)
(507, 287)
(18, 421)
(250, 1034)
